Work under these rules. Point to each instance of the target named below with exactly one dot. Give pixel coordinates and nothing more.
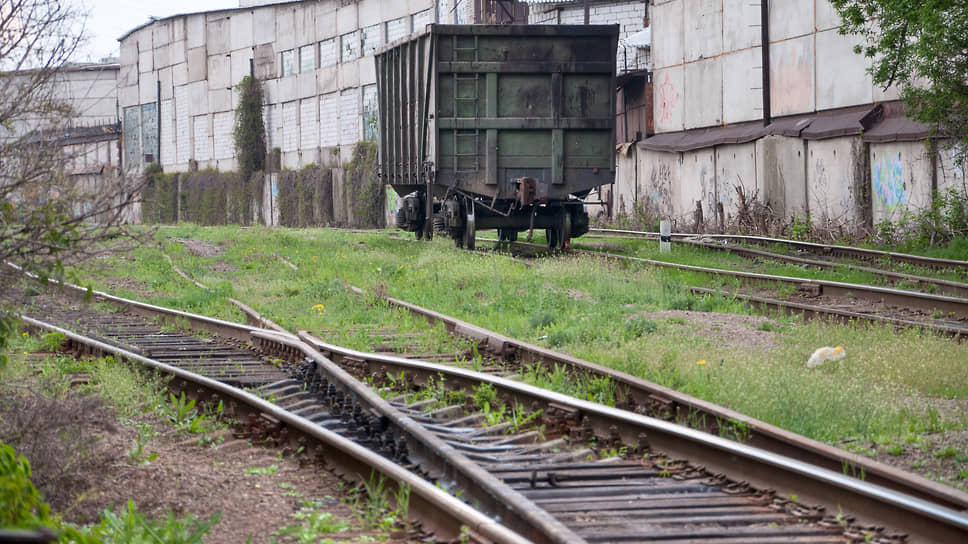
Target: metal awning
(845, 122)
(708, 137)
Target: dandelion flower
(701, 362)
(824, 354)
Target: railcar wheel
(470, 232)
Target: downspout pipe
(765, 40)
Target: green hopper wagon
(497, 127)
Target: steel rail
(436, 508)
(512, 508)
(682, 407)
(828, 249)
(955, 306)
(810, 312)
(763, 469)
(946, 287)
(807, 309)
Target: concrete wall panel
(741, 25)
(842, 78)
(350, 74)
(697, 189)
(951, 176)
(128, 96)
(179, 74)
(900, 179)
(703, 29)
(832, 176)
(326, 19)
(792, 76)
(160, 58)
(219, 100)
(287, 89)
(624, 193)
(197, 64)
(667, 46)
(147, 91)
(177, 52)
(145, 61)
(198, 97)
(161, 33)
(735, 173)
(742, 98)
(218, 34)
(658, 174)
(781, 166)
(306, 84)
(195, 30)
(327, 80)
(219, 71)
(304, 19)
(241, 30)
(264, 26)
(704, 93)
(239, 65)
(164, 76)
(347, 19)
(285, 28)
(669, 100)
(367, 72)
(827, 17)
(790, 18)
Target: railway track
(550, 492)
(902, 308)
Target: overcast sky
(108, 20)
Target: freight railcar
(497, 127)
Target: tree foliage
(47, 215)
(250, 131)
(922, 47)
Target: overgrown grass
(581, 305)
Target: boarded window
(370, 131)
(288, 62)
(397, 29)
(422, 19)
(328, 55)
(349, 115)
(149, 132)
(132, 136)
(329, 120)
(371, 39)
(349, 45)
(307, 58)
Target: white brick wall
(167, 116)
(329, 120)
(349, 117)
(290, 126)
(203, 143)
(222, 125)
(307, 124)
(183, 149)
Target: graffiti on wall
(887, 180)
(667, 99)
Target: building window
(370, 117)
(288, 62)
(371, 39)
(349, 46)
(328, 56)
(396, 29)
(307, 58)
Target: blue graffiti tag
(887, 178)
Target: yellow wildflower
(701, 362)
